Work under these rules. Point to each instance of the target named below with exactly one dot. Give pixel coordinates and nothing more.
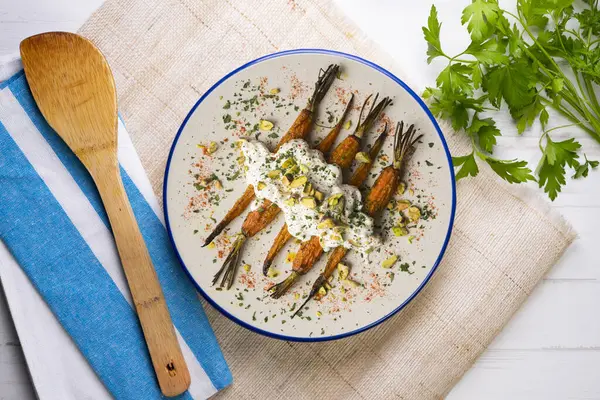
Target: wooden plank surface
(551, 348)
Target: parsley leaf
(432, 36)
(583, 169)
(512, 171)
(486, 132)
(512, 82)
(481, 16)
(467, 165)
(489, 52)
(455, 78)
(556, 156)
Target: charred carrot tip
(218, 229)
(313, 291)
(266, 266)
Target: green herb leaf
(512, 171)
(486, 132)
(455, 78)
(489, 52)
(481, 16)
(583, 170)
(432, 35)
(556, 156)
(467, 164)
(513, 82)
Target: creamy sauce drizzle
(310, 194)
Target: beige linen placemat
(165, 54)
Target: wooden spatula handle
(171, 370)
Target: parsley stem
(561, 127)
(592, 93)
(568, 115)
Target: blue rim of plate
(452, 212)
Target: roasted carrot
(254, 223)
(342, 155)
(311, 250)
(264, 215)
(299, 130)
(324, 146)
(377, 199)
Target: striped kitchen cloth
(54, 227)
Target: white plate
(190, 217)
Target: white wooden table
(551, 348)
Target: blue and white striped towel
(54, 227)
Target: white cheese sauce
(310, 194)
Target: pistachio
(290, 202)
(212, 147)
(218, 184)
(363, 157)
(326, 223)
(274, 91)
(296, 296)
(211, 245)
(308, 202)
(265, 125)
(274, 174)
(322, 291)
(391, 205)
(401, 188)
(389, 263)
(334, 199)
(290, 257)
(299, 181)
(414, 213)
(399, 231)
(411, 192)
(318, 195)
(304, 168)
(293, 170)
(288, 163)
(402, 205)
(240, 160)
(287, 180)
(319, 313)
(272, 273)
(336, 237)
(352, 283)
(261, 185)
(307, 188)
(247, 267)
(343, 271)
(410, 239)
(348, 124)
(201, 146)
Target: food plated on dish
(309, 194)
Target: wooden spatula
(75, 91)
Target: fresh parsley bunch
(522, 60)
